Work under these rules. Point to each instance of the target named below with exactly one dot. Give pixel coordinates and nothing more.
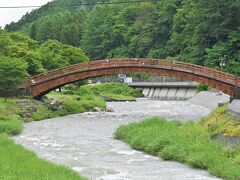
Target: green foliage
(39, 58)
(17, 45)
(10, 122)
(18, 163)
(86, 104)
(64, 26)
(202, 87)
(42, 113)
(111, 90)
(70, 88)
(12, 74)
(122, 31)
(74, 107)
(77, 104)
(185, 142)
(56, 55)
(10, 126)
(118, 97)
(52, 21)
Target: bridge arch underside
(38, 90)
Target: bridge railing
(136, 62)
(205, 71)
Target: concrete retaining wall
(209, 99)
(167, 90)
(169, 93)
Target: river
(85, 142)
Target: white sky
(9, 15)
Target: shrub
(42, 113)
(73, 107)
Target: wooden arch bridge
(44, 83)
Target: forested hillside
(201, 32)
(54, 21)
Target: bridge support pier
(234, 106)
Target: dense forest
(38, 57)
(201, 32)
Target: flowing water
(85, 142)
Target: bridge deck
(153, 63)
(44, 82)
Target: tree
(33, 31)
(13, 72)
(56, 55)
(34, 62)
(93, 38)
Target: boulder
(221, 104)
(109, 109)
(54, 104)
(106, 98)
(97, 109)
(26, 112)
(24, 102)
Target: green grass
(10, 122)
(185, 142)
(77, 104)
(220, 121)
(11, 127)
(21, 164)
(202, 87)
(114, 91)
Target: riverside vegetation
(19, 163)
(189, 142)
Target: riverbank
(17, 162)
(191, 143)
(85, 142)
(223, 125)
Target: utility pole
(222, 64)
